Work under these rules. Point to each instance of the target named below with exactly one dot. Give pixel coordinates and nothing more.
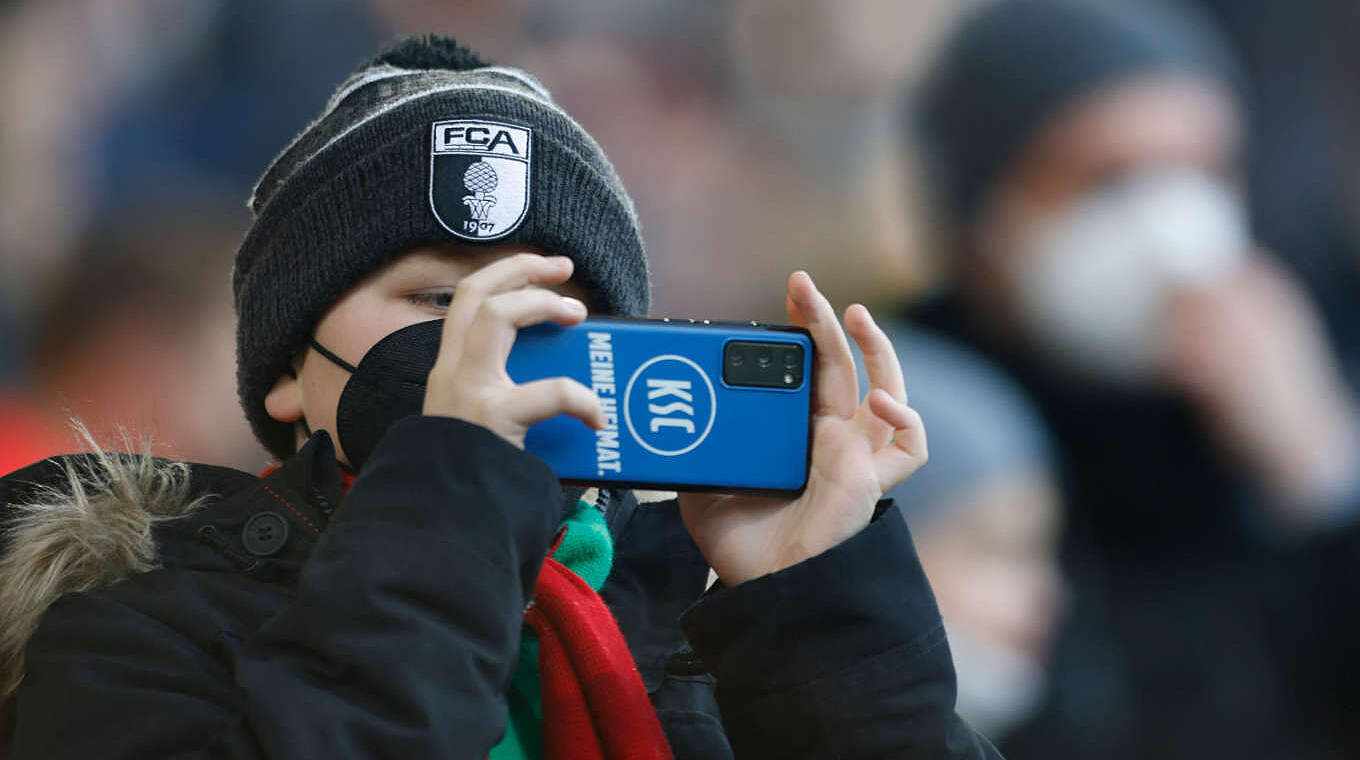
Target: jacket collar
(264, 525)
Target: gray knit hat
(1012, 66)
(426, 144)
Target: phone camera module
(763, 364)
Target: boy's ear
(284, 401)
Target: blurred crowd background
(755, 136)
(1117, 245)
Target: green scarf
(587, 550)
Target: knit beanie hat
(426, 144)
(1014, 64)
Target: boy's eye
(437, 300)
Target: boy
(297, 615)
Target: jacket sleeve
(399, 642)
(842, 655)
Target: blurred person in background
(108, 99)
(143, 298)
(226, 83)
(131, 130)
(985, 513)
(1303, 160)
(1303, 170)
(756, 135)
(1086, 161)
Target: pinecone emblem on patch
(479, 177)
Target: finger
(795, 316)
(908, 451)
(515, 272)
(543, 399)
(836, 388)
(880, 358)
(509, 273)
(492, 334)
(872, 427)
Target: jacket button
(265, 534)
(685, 663)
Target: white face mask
(1094, 284)
(998, 688)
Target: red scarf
(594, 704)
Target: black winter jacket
(283, 620)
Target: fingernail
(573, 304)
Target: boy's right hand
(469, 380)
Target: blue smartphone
(689, 405)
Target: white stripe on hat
(533, 96)
(384, 72)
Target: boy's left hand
(859, 451)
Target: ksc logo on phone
(669, 405)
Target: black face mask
(389, 384)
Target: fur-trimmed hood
(84, 522)
(78, 523)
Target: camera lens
(777, 363)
